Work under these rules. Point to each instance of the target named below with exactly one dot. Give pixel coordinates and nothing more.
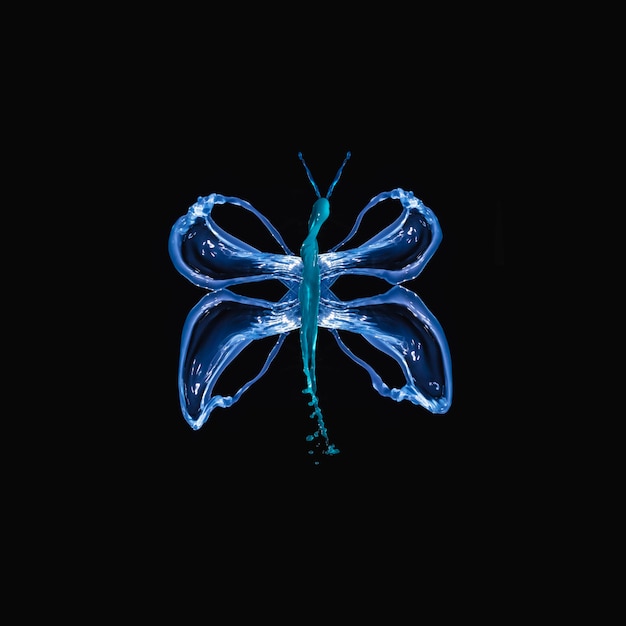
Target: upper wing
(212, 258)
(398, 253)
(216, 331)
(398, 324)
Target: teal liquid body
(309, 298)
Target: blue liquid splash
(223, 323)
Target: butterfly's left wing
(400, 325)
(215, 333)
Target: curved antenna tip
(332, 185)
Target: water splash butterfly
(224, 323)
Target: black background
(226, 117)
(180, 129)
(453, 139)
(145, 115)
(458, 173)
(246, 475)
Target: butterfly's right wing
(215, 333)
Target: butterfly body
(309, 298)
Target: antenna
(332, 186)
(308, 173)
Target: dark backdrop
(458, 172)
(179, 113)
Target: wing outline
(399, 324)
(211, 258)
(217, 329)
(397, 253)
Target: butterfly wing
(222, 324)
(397, 323)
(215, 333)
(212, 258)
(397, 253)
(400, 325)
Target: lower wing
(400, 325)
(216, 331)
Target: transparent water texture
(224, 323)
